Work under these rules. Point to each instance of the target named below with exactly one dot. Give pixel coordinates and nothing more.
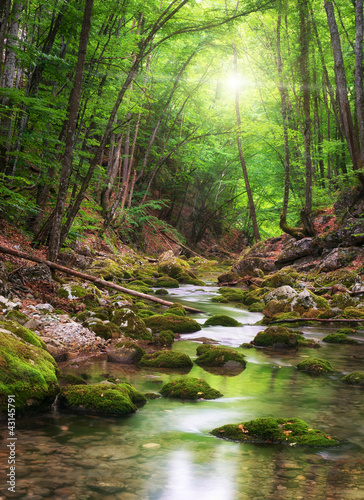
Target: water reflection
(165, 451)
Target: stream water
(165, 451)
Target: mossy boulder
(255, 296)
(257, 307)
(177, 309)
(101, 399)
(210, 355)
(23, 333)
(340, 276)
(292, 432)
(15, 315)
(221, 320)
(166, 282)
(339, 338)
(232, 294)
(189, 388)
(105, 330)
(275, 307)
(130, 324)
(354, 378)
(140, 286)
(342, 301)
(220, 299)
(347, 331)
(178, 324)
(164, 338)
(354, 312)
(315, 365)
(166, 359)
(26, 371)
(276, 336)
(280, 278)
(307, 300)
(286, 293)
(126, 353)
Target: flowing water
(165, 451)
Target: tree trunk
(5, 6)
(305, 89)
(8, 79)
(341, 88)
(359, 84)
(241, 156)
(72, 112)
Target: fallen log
(93, 279)
(333, 320)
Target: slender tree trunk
(8, 79)
(306, 94)
(341, 87)
(72, 112)
(241, 156)
(5, 6)
(359, 84)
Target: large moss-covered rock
(354, 312)
(101, 399)
(291, 431)
(26, 371)
(339, 277)
(166, 282)
(166, 359)
(164, 338)
(232, 294)
(228, 277)
(280, 278)
(276, 336)
(315, 365)
(22, 332)
(210, 355)
(343, 300)
(221, 320)
(339, 338)
(285, 292)
(189, 388)
(307, 300)
(178, 324)
(177, 309)
(354, 378)
(130, 324)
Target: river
(165, 451)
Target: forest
(181, 249)
(219, 121)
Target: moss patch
(177, 309)
(164, 338)
(232, 294)
(276, 336)
(177, 324)
(339, 338)
(189, 388)
(22, 333)
(293, 432)
(210, 355)
(105, 399)
(354, 378)
(315, 365)
(15, 315)
(27, 371)
(221, 320)
(166, 359)
(166, 282)
(347, 331)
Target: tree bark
(72, 112)
(241, 155)
(341, 88)
(359, 84)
